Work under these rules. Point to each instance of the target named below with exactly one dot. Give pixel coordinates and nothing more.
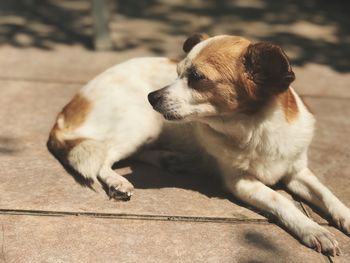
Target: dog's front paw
(122, 190)
(320, 239)
(343, 221)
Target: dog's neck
(241, 126)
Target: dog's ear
(268, 67)
(193, 40)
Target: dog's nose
(154, 97)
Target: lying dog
(242, 110)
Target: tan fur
(227, 84)
(216, 59)
(75, 112)
(216, 63)
(221, 95)
(71, 117)
(289, 105)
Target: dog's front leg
(306, 185)
(250, 190)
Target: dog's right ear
(193, 40)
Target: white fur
(120, 120)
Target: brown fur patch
(193, 40)
(268, 67)
(219, 58)
(219, 63)
(289, 105)
(70, 118)
(75, 112)
(235, 75)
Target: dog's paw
(343, 221)
(122, 190)
(321, 240)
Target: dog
(235, 98)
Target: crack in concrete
(16, 212)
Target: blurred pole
(100, 15)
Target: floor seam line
(13, 212)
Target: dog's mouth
(171, 117)
(168, 115)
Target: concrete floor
(46, 216)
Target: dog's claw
(120, 193)
(321, 240)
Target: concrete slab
(329, 153)
(33, 182)
(315, 80)
(83, 239)
(63, 64)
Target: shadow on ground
(45, 23)
(311, 31)
(145, 176)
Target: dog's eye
(194, 75)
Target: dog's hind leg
(93, 159)
(87, 158)
(118, 187)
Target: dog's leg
(93, 159)
(255, 193)
(306, 185)
(118, 186)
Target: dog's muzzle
(155, 98)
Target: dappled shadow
(313, 31)
(45, 23)
(310, 31)
(9, 145)
(259, 240)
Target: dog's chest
(262, 156)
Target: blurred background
(311, 31)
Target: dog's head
(223, 75)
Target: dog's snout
(154, 97)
